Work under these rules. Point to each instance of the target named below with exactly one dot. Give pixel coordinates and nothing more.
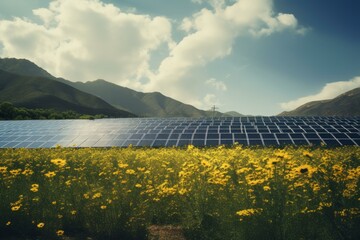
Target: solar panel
(160, 132)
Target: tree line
(10, 112)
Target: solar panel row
(157, 132)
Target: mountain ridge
(346, 104)
(42, 92)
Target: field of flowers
(211, 193)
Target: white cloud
(218, 85)
(209, 101)
(211, 35)
(87, 39)
(329, 91)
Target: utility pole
(213, 109)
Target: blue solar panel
(157, 132)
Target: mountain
(346, 104)
(234, 114)
(152, 104)
(23, 67)
(41, 92)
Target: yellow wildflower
(307, 154)
(59, 162)
(41, 225)
(50, 174)
(60, 232)
(15, 208)
(3, 169)
(130, 171)
(123, 165)
(248, 212)
(182, 191)
(96, 195)
(225, 166)
(27, 172)
(15, 172)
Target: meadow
(210, 193)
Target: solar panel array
(167, 132)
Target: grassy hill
(347, 104)
(41, 92)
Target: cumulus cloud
(86, 39)
(218, 85)
(210, 100)
(329, 91)
(211, 34)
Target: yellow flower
(273, 161)
(305, 170)
(50, 174)
(248, 212)
(3, 169)
(96, 195)
(86, 196)
(123, 165)
(130, 172)
(242, 170)
(205, 163)
(138, 185)
(73, 212)
(225, 166)
(53, 202)
(190, 147)
(27, 172)
(307, 154)
(41, 225)
(15, 172)
(266, 188)
(103, 206)
(59, 162)
(34, 189)
(15, 208)
(8, 223)
(60, 232)
(182, 191)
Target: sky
(258, 57)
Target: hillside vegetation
(40, 92)
(345, 105)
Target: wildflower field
(211, 193)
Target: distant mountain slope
(23, 67)
(347, 104)
(40, 92)
(152, 104)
